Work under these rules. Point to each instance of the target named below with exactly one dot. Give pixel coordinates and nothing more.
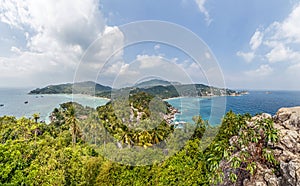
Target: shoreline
(204, 97)
(67, 95)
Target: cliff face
(286, 152)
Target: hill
(87, 87)
(155, 82)
(243, 150)
(160, 88)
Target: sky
(249, 44)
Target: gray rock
(288, 123)
(286, 151)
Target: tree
(36, 116)
(72, 122)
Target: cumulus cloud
(203, 10)
(256, 40)
(263, 70)
(247, 56)
(277, 47)
(280, 52)
(283, 39)
(147, 61)
(57, 33)
(278, 42)
(254, 43)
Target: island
(157, 87)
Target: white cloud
(203, 10)
(282, 53)
(247, 56)
(147, 61)
(57, 34)
(279, 42)
(15, 50)
(290, 27)
(256, 40)
(283, 39)
(263, 70)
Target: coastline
(14, 102)
(72, 95)
(203, 97)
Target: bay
(16, 102)
(213, 109)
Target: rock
(283, 115)
(260, 183)
(286, 151)
(262, 116)
(289, 139)
(289, 175)
(271, 179)
(288, 117)
(287, 121)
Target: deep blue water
(213, 109)
(13, 100)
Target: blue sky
(256, 43)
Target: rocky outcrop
(286, 151)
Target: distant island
(159, 88)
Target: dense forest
(86, 146)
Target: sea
(17, 102)
(214, 108)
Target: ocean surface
(211, 109)
(14, 102)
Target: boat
(1, 105)
(26, 102)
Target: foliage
(162, 89)
(86, 87)
(35, 153)
(118, 119)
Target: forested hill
(87, 87)
(162, 89)
(155, 82)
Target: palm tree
(36, 116)
(157, 136)
(72, 122)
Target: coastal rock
(286, 151)
(288, 117)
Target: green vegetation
(159, 88)
(155, 82)
(77, 147)
(87, 87)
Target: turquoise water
(213, 109)
(14, 102)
